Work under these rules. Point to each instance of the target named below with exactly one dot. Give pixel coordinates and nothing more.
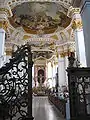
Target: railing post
(30, 64)
(72, 93)
(79, 92)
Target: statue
(71, 59)
(73, 62)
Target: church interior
(57, 34)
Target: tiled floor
(44, 110)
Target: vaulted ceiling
(40, 17)
(43, 23)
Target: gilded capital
(77, 24)
(4, 25)
(62, 55)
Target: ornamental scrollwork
(14, 88)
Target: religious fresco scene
(38, 16)
(44, 60)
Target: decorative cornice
(64, 50)
(40, 39)
(72, 11)
(13, 3)
(5, 9)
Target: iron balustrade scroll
(79, 93)
(16, 86)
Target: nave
(45, 110)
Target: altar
(40, 79)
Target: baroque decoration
(15, 84)
(44, 54)
(40, 17)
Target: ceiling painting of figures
(40, 17)
(43, 54)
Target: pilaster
(78, 33)
(5, 12)
(61, 71)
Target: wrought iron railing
(79, 93)
(16, 86)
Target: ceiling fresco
(43, 54)
(40, 17)
(43, 46)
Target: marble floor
(44, 110)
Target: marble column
(66, 65)
(55, 66)
(5, 12)
(85, 14)
(33, 82)
(2, 42)
(61, 71)
(80, 45)
(49, 70)
(49, 75)
(52, 67)
(79, 36)
(46, 81)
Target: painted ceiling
(44, 25)
(43, 54)
(40, 17)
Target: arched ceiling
(40, 17)
(44, 24)
(13, 3)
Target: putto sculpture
(73, 62)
